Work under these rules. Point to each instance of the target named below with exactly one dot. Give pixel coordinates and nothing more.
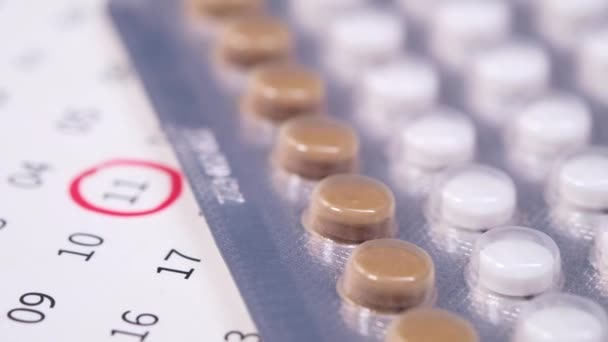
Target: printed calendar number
(238, 336)
(30, 176)
(78, 121)
(29, 315)
(137, 320)
(126, 188)
(85, 243)
(177, 254)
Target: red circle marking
(175, 178)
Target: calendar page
(100, 237)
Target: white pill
(582, 179)
(516, 261)
(592, 64)
(419, 10)
(551, 125)
(461, 28)
(515, 267)
(505, 75)
(476, 197)
(561, 318)
(400, 87)
(437, 140)
(362, 38)
(315, 16)
(562, 22)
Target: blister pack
(406, 170)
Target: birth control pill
(592, 64)
(430, 325)
(315, 16)
(459, 29)
(252, 41)
(224, 9)
(315, 147)
(506, 75)
(581, 179)
(419, 10)
(362, 38)
(516, 261)
(563, 22)
(388, 275)
(351, 208)
(551, 125)
(280, 92)
(400, 88)
(561, 317)
(436, 140)
(474, 197)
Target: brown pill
(388, 275)
(280, 92)
(315, 147)
(351, 208)
(224, 9)
(430, 325)
(253, 41)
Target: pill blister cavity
(580, 180)
(351, 209)
(562, 23)
(430, 325)
(279, 92)
(223, 10)
(561, 318)
(473, 197)
(437, 140)
(515, 261)
(460, 29)
(253, 41)
(544, 129)
(388, 275)
(315, 16)
(504, 76)
(315, 147)
(418, 11)
(395, 92)
(362, 38)
(592, 64)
